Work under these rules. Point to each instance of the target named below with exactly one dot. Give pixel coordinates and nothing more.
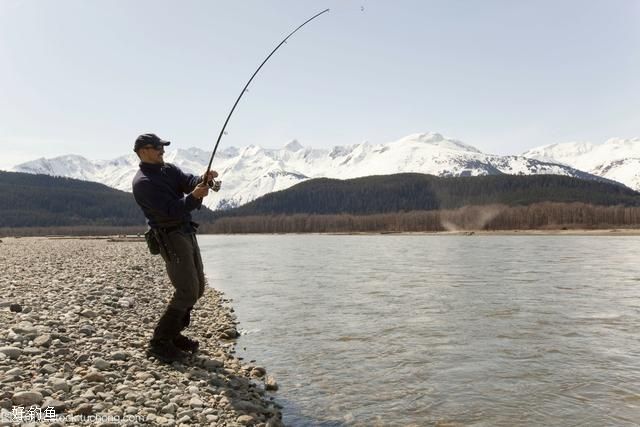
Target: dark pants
(181, 254)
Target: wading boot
(186, 343)
(161, 345)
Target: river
(451, 330)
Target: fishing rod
(216, 184)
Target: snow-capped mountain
(252, 171)
(617, 159)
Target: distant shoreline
(553, 232)
(599, 232)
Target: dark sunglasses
(155, 147)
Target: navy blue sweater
(160, 191)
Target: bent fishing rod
(216, 184)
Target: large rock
(27, 398)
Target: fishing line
(216, 184)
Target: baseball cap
(149, 139)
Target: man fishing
(167, 196)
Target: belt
(190, 227)
(170, 229)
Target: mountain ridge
(617, 159)
(252, 171)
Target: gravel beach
(76, 317)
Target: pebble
(48, 369)
(119, 355)
(246, 420)
(258, 371)
(212, 364)
(171, 408)
(32, 350)
(42, 341)
(15, 371)
(89, 313)
(59, 384)
(15, 308)
(57, 405)
(87, 330)
(229, 334)
(94, 377)
(82, 358)
(101, 364)
(11, 352)
(84, 409)
(196, 403)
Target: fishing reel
(214, 185)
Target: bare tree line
(539, 216)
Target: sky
(87, 77)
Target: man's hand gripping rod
(213, 184)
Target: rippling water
(430, 330)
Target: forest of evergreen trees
(28, 200)
(417, 192)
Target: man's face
(152, 154)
